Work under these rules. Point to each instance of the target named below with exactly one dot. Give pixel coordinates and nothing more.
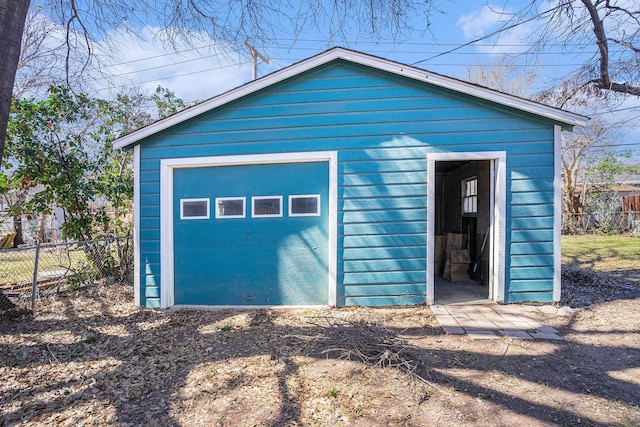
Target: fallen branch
(370, 344)
(52, 354)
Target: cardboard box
(457, 265)
(439, 252)
(456, 241)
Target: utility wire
(614, 111)
(493, 33)
(172, 77)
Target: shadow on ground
(277, 368)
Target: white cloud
(482, 22)
(123, 62)
(144, 62)
(476, 23)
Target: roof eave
(542, 110)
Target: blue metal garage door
(251, 234)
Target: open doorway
(464, 232)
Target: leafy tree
(230, 22)
(602, 201)
(60, 146)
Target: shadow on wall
(382, 223)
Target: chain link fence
(29, 274)
(613, 222)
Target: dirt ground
(91, 358)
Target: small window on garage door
(194, 208)
(304, 205)
(230, 207)
(266, 206)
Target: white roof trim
(552, 113)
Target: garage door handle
(248, 297)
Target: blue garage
(348, 179)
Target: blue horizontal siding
(382, 203)
(152, 291)
(518, 297)
(151, 258)
(529, 223)
(391, 190)
(149, 245)
(150, 211)
(150, 199)
(383, 127)
(382, 265)
(530, 198)
(531, 248)
(530, 273)
(392, 227)
(149, 234)
(538, 172)
(539, 260)
(537, 235)
(201, 144)
(368, 241)
(385, 290)
(358, 127)
(379, 178)
(392, 277)
(406, 252)
(415, 165)
(349, 115)
(384, 301)
(383, 216)
(529, 185)
(531, 285)
(152, 302)
(530, 210)
(526, 159)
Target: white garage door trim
(166, 207)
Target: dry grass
(597, 252)
(92, 358)
(16, 266)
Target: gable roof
(360, 58)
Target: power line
(175, 52)
(395, 43)
(172, 77)
(614, 111)
(157, 67)
(404, 52)
(628, 144)
(493, 33)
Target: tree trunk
(12, 17)
(17, 227)
(42, 229)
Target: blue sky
(213, 68)
(203, 73)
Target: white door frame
(498, 194)
(166, 208)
